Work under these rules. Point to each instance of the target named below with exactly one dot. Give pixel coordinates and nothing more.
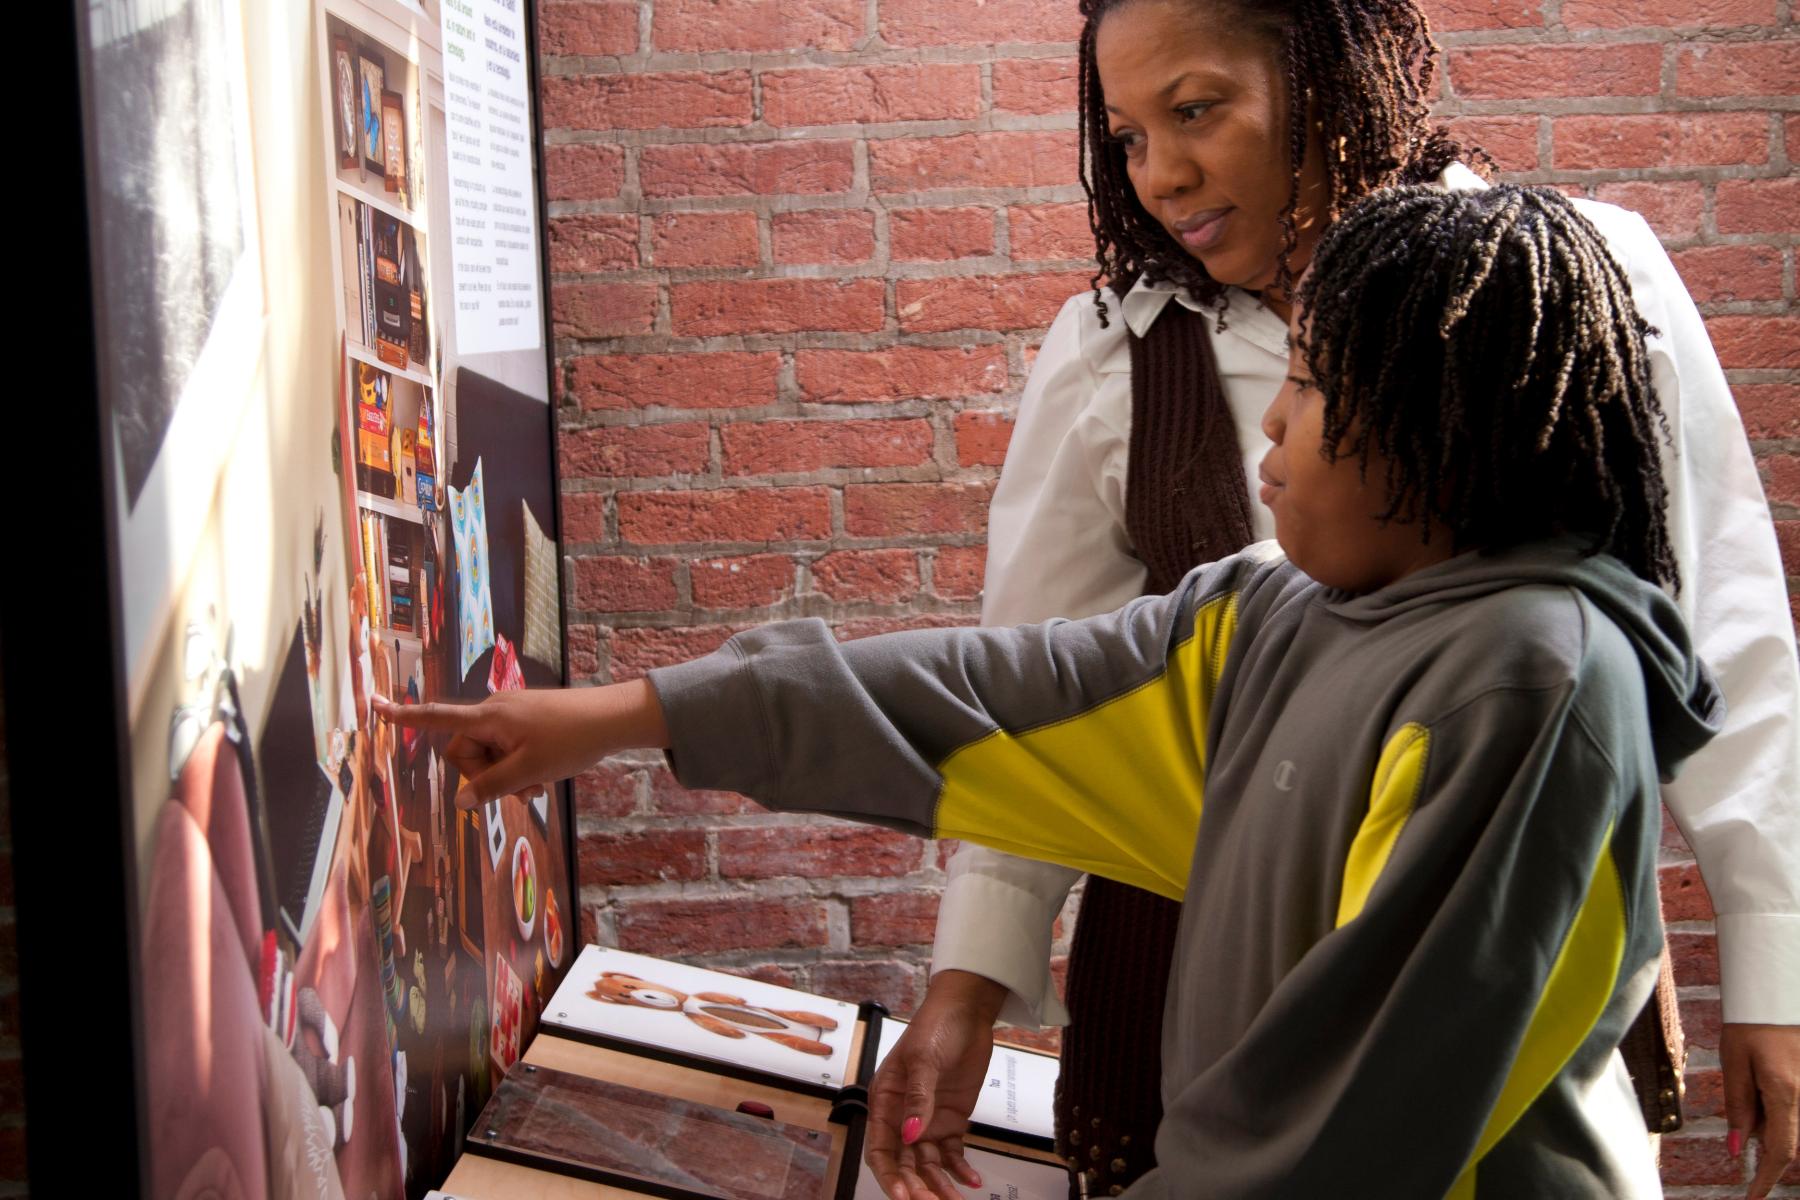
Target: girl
(1219, 138)
(1404, 780)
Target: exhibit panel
(324, 384)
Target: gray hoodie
(1414, 831)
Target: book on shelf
(350, 255)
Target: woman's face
(1201, 108)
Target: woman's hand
(514, 741)
(921, 1098)
(1762, 1095)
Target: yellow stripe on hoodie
(1029, 793)
(1580, 984)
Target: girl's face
(1202, 111)
(1327, 513)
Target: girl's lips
(1266, 494)
(1203, 230)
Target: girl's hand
(514, 741)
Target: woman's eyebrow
(1167, 89)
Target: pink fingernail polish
(1734, 1142)
(910, 1130)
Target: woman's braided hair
(1362, 69)
(1485, 345)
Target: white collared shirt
(1057, 547)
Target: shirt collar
(1246, 316)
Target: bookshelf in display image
(396, 497)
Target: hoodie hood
(1686, 706)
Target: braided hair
(1360, 70)
(1485, 345)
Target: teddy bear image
(715, 1012)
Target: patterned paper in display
(543, 616)
(475, 593)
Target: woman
(1137, 434)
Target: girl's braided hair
(1485, 345)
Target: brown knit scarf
(1187, 502)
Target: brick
(869, 576)
(726, 380)
(671, 927)
(1673, 209)
(1758, 205)
(1716, 274)
(757, 514)
(602, 242)
(960, 23)
(584, 652)
(899, 373)
(594, 172)
(613, 858)
(12, 1155)
(940, 234)
(637, 451)
(1772, 342)
(766, 973)
(1739, 69)
(1660, 140)
(636, 651)
(983, 302)
(606, 790)
(1048, 1040)
(1704, 1092)
(959, 572)
(658, 100)
(1695, 957)
(1787, 541)
(1781, 478)
(617, 584)
(708, 26)
(1666, 14)
(704, 239)
(1044, 232)
(896, 985)
(872, 95)
(1701, 1158)
(899, 509)
(981, 438)
(1002, 159)
(1769, 410)
(1684, 894)
(823, 235)
(590, 28)
(769, 169)
(1512, 142)
(772, 447)
(1790, 126)
(584, 517)
(1550, 71)
(1459, 15)
(671, 799)
(745, 581)
(816, 852)
(894, 919)
(1035, 85)
(862, 627)
(777, 306)
(1700, 1023)
(598, 310)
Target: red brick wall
(803, 251)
